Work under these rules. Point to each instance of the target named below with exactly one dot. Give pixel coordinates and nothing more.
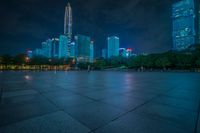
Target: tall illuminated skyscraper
(104, 53)
(91, 52)
(55, 48)
(113, 46)
(84, 48)
(68, 22)
(63, 41)
(185, 24)
(199, 24)
(46, 49)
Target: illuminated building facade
(91, 52)
(38, 52)
(185, 24)
(72, 50)
(199, 24)
(129, 52)
(125, 52)
(55, 48)
(82, 50)
(122, 52)
(63, 45)
(68, 22)
(46, 49)
(113, 46)
(29, 54)
(104, 53)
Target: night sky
(144, 25)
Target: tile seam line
(132, 109)
(60, 109)
(1, 94)
(28, 119)
(197, 120)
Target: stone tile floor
(99, 102)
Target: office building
(82, 50)
(129, 52)
(55, 48)
(91, 52)
(38, 52)
(199, 24)
(46, 49)
(72, 50)
(29, 54)
(122, 52)
(104, 53)
(68, 22)
(185, 15)
(63, 46)
(113, 46)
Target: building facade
(55, 48)
(104, 53)
(91, 52)
(185, 24)
(46, 49)
(72, 48)
(82, 50)
(63, 46)
(113, 46)
(199, 23)
(38, 52)
(68, 22)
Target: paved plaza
(99, 102)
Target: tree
(7, 60)
(184, 60)
(162, 62)
(198, 62)
(20, 59)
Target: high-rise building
(68, 22)
(82, 51)
(38, 52)
(122, 52)
(29, 54)
(72, 50)
(63, 45)
(104, 53)
(91, 52)
(46, 49)
(113, 46)
(185, 24)
(199, 24)
(55, 48)
(129, 52)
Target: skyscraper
(113, 46)
(68, 22)
(91, 52)
(185, 24)
(55, 48)
(63, 45)
(122, 52)
(46, 49)
(199, 24)
(38, 52)
(83, 45)
(72, 50)
(104, 53)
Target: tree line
(187, 59)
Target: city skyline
(133, 34)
